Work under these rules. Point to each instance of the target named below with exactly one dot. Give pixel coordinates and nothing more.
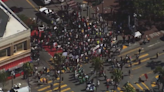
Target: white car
(46, 2)
(47, 14)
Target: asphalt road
(30, 7)
(148, 63)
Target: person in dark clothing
(129, 72)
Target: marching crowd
(81, 39)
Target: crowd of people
(81, 39)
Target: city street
(132, 70)
(148, 63)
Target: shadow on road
(153, 64)
(16, 9)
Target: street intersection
(148, 63)
(147, 57)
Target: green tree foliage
(58, 58)
(97, 64)
(27, 69)
(128, 88)
(3, 77)
(28, 21)
(117, 75)
(160, 71)
(149, 7)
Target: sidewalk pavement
(8, 84)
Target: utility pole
(87, 7)
(103, 7)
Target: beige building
(14, 40)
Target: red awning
(16, 63)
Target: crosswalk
(142, 86)
(47, 87)
(144, 57)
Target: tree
(27, 69)
(160, 71)
(149, 7)
(128, 88)
(28, 21)
(117, 75)
(59, 60)
(97, 65)
(3, 77)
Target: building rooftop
(9, 23)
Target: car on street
(48, 15)
(46, 2)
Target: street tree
(27, 69)
(117, 75)
(149, 8)
(97, 65)
(128, 88)
(59, 60)
(3, 77)
(160, 71)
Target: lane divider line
(32, 5)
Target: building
(14, 40)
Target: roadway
(148, 63)
(31, 7)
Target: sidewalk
(8, 84)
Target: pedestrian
(51, 85)
(98, 83)
(139, 51)
(129, 72)
(122, 77)
(139, 80)
(121, 66)
(157, 55)
(130, 64)
(107, 86)
(148, 39)
(62, 78)
(139, 61)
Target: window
(19, 47)
(3, 53)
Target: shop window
(3, 53)
(19, 47)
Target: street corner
(124, 47)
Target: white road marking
(153, 44)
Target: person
(98, 83)
(157, 55)
(51, 85)
(129, 72)
(139, 79)
(139, 51)
(148, 39)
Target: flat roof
(3, 22)
(10, 24)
